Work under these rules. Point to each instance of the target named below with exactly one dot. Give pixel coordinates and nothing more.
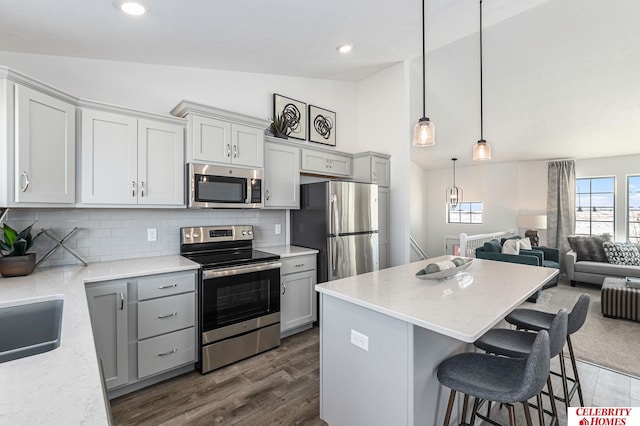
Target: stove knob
(244, 232)
(187, 235)
(250, 232)
(195, 235)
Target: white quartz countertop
(288, 251)
(464, 307)
(63, 386)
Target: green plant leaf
(10, 235)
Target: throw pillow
(511, 247)
(525, 243)
(492, 246)
(621, 253)
(588, 247)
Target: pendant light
(454, 193)
(482, 149)
(424, 133)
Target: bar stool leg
(476, 403)
(575, 370)
(447, 417)
(552, 398)
(540, 409)
(512, 415)
(565, 388)
(527, 412)
(464, 408)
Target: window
(466, 212)
(633, 203)
(595, 206)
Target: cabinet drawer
(165, 285)
(295, 264)
(166, 314)
(166, 352)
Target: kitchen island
(384, 333)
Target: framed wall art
(296, 113)
(322, 126)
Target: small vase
(17, 266)
(281, 135)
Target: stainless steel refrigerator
(340, 220)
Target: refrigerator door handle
(334, 257)
(334, 211)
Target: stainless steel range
(238, 294)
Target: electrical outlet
(278, 229)
(152, 234)
(360, 340)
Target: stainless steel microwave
(224, 187)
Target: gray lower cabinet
(108, 308)
(297, 294)
(143, 327)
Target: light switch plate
(278, 229)
(152, 234)
(360, 340)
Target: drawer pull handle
(169, 353)
(284, 288)
(122, 301)
(173, 314)
(298, 265)
(163, 287)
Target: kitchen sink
(29, 327)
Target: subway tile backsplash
(115, 234)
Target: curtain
(561, 210)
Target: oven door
(233, 299)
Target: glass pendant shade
(424, 133)
(482, 150)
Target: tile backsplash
(114, 234)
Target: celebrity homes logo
(602, 416)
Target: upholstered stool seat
(514, 343)
(498, 379)
(529, 319)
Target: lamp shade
(424, 133)
(532, 221)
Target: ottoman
(618, 300)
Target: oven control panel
(211, 234)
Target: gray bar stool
(517, 344)
(498, 379)
(529, 319)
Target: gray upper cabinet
(37, 143)
(282, 176)
(131, 159)
(326, 163)
(108, 308)
(217, 136)
(372, 167)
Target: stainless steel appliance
(224, 187)
(238, 294)
(340, 220)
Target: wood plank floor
(282, 387)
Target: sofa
(587, 260)
(536, 256)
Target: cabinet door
(45, 148)
(383, 226)
(211, 140)
(109, 158)
(160, 163)
(282, 176)
(108, 310)
(247, 145)
(314, 161)
(339, 164)
(380, 170)
(297, 300)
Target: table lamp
(532, 222)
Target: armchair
(540, 256)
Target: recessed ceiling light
(133, 8)
(345, 48)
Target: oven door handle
(235, 270)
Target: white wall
(158, 88)
(383, 126)
(418, 213)
(494, 184)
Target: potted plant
(15, 261)
(280, 126)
